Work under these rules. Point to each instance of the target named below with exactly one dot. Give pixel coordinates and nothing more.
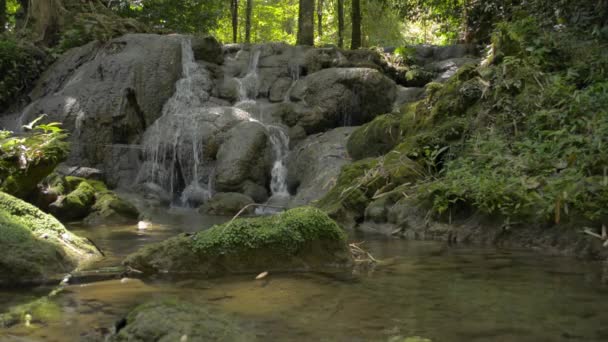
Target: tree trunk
(320, 18)
(341, 23)
(306, 23)
(2, 16)
(248, 21)
(234, 11)
(356, 19)
(45, 19)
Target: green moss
(36, 245)
(285, 232)
(299, 238)
(374, 138)
(27, 160)
(109, 208)
(77, 204)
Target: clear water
(425, 289)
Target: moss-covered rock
(75, 205)
(27, 160)
(109, 208)
(77, 198)
(375, 138)
(226, 203)
(36, 247)
(171, 320)
(301, 239)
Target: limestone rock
(315, 163)
(343, 96)
(244, 155)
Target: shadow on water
(424, 289)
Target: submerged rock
(172, 321)
(226, 203)
(302, 239)
(36, 247)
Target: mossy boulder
(226, 203)
(301, 239)
(36, 247)
(77, 198)
(375, 138)
(171, 320)
(109, 208)
(75, 205)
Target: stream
(425, 289)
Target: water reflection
(425, 289)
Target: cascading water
(174, 145)
(280, 147)
(248, 91)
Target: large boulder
(171, 320)
(343, 97)
(207, 49)
(36, 247)
(302, 239)
(315, 163)
(246, 154)
(108, 94)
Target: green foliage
(20, 65)
(539, 151)
(26, 160)
(183, 16)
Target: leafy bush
(541, 131)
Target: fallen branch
(603, 237)
(252, 205)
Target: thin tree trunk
(341, 23)
(2, 16)
(320, 18)
(306, 23)
(356, 18)
(234, 11)
(248, 21)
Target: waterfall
(294, 71)
(173, 145)
(248, 91)
(280, 148)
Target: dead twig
(252, 205)
(603, 236)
